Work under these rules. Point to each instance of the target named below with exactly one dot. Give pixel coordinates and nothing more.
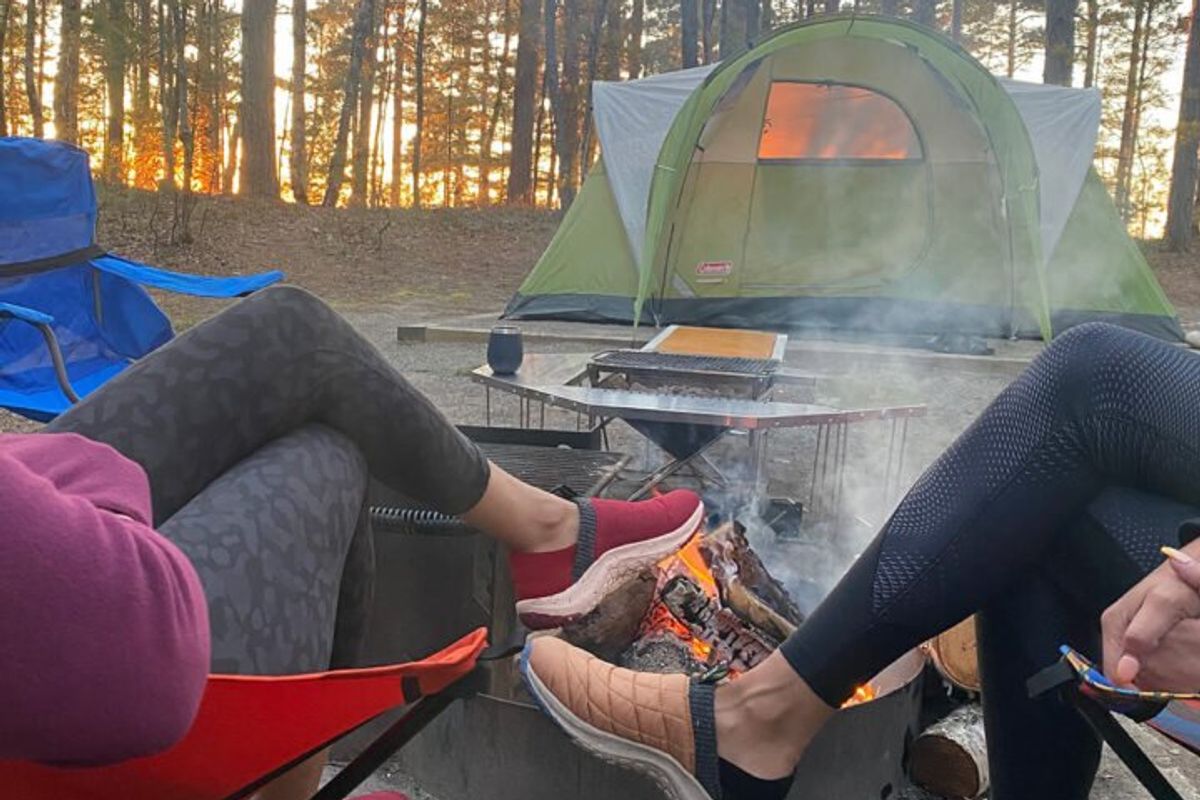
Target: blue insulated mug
(505, 351)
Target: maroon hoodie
(104, 644)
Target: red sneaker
(616, 540)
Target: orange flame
(688, 561)
(863, 694)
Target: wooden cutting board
(686, 340)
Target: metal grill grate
(676, 362)
(584, 471)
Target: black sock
(737, 784)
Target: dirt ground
(432, 261)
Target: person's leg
(1040, 747)
(262, 368)
(281, 359)
(1101, 406)
(282, 544)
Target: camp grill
(650, 361)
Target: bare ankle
(558, 521)
(766, 719)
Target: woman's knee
(1073, 359)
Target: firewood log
(612, 626)
(950, 758)
(730, 556)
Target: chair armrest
(183, 283)
(43, 323)
(25, 314)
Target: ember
(687, 562)
(688, 603)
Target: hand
(1135, 626)
(1174, 666)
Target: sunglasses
(1133, 703)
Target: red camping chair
(251, 729)
(1086, 689)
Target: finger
(1163, 607)
(1186, 567)
(1127, 670)
(1113, 623)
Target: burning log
(614, 624)
(746, 585)
(735, 644)
(712, 604)
(950, 758)
(755, 611)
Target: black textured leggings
(1048, 507)
(253, 428)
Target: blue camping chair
(71, 315)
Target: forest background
(473, 103)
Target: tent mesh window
(835, 122)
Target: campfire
(712, 609)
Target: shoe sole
(667, 773)
(604, 576)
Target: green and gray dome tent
(848, 172)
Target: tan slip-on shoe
(661, 725)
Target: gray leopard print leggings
(258, 429)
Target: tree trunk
(633, 52)
(925, 12)
(181, 224)
(538, 137)
(553, 90)
(258, 99)
(1011, 54)
(231, 166)
(5, 10)
(1128, 115)
(420, 121)
(708, 16)
(1139, 105)
(739, 26)
(564, 98)
(1060, 42)
(398, 105)
(145, 145)
(956, 21)
(489, 135)
(210, 68)
(519, 160)
(593, 65)
(753, 15)
(610, 50)
(1093, 30)
(688, 29)
(766, 19)
(115, 28)
(66, 81)
(168, 104)
(359, 32)
(299, 154)
(832, 6)
(889, 8)
(385, 93)
(366, 103)
(1181, 205)
(32, 88)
